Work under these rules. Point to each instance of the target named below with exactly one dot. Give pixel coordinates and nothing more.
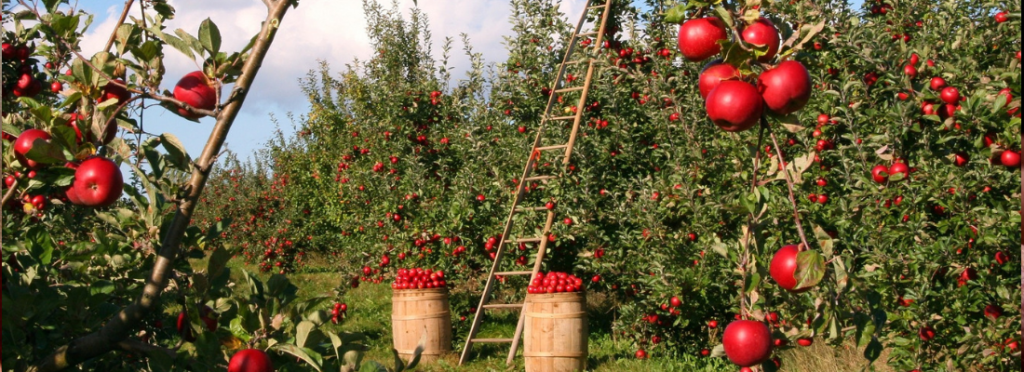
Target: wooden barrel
(555, 334)
(415, 312)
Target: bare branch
(10, 193)
(789, 183)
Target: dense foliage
(396, 165)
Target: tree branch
(789, 183)
(119, 327)
(10, 193)
(124, 15)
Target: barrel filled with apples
(555, 330)
(420, 307)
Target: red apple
(926, 333)
(786, 88)
(1010, 159)
(763, 33)
(713, 75)
(950, 95)
(938, 83)
(115, 91)
(250, 360)
(784, 264)
(961, 159)
(1002, 17)
(823, 119)
(805, 342)
(70, 191)
(993, 312)
(734, 106)
(641, 354)
(747, 343)
(196, 90)
(8, 51)
(698, 38)
(98, 182)
(899, 168)
(675, 302)
(880, 173)
(910, 71)
(1002, 258)
(24, 144)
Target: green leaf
(874, 350)
(302, 332)
(218, 260)
(725, 16)
(189, 40)
(209, 36)
(677, 14)
(46, 152)
(11, 129)
(175, 42)
(309, 356)
(824, 241)
(51, 5)
(175, 151)
(810, 269)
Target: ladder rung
(504, 307)
(511, 273)
(491, 340)
(546, 148)
(567, 90)
(562, 117)
(540, 178)
(529, 240)
(591, 33)
(595, 7)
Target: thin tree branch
(752, 220)
(789, 183)
(120, 326)
(10, 193)
(124, 15)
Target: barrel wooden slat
(555, 335)
(415, 312)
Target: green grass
(370, 311)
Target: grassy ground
(370, 310)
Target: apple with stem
(196, 90)
(763, 33)
(698, 38)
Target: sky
(329, 30)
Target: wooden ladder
(528, 177)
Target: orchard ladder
(528, 177)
